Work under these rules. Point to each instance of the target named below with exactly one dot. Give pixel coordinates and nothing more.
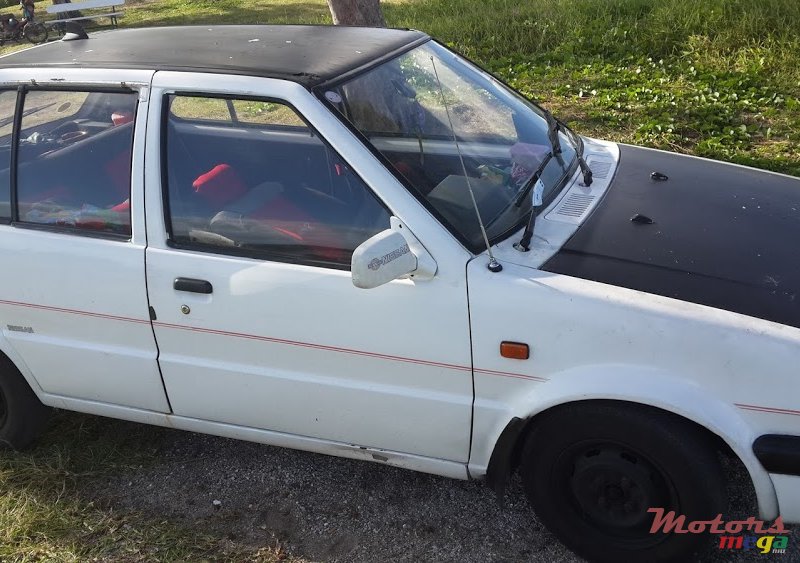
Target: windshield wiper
(553, 128)
(525, 242)
(552, 131)
(526, 188)
(577, 142)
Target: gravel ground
(329, 509)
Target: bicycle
(13, 29)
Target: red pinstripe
(346, 351)
(755, 408)
(274, 340)
(311, 345)
(772, 410)
(74, 312)
(509, 374)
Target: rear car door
(73, 300)
(258, 322)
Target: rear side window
(261, 183)
(8, 100)
(74, 163)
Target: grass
(719, 78)
(45, 514)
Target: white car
(356, 242)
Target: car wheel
(22, 415)
(592, 470)
(35, 32)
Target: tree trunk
(357, 12)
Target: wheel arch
(719, 421)
(7, 353)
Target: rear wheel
(592, 470)
(35, 32)
(22, 415)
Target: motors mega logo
(763, 538)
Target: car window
(266, 113)
(8, 99)
(234, 111)
(196, 108)
(262, 184)
(74, 166)
(458, 138)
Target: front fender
(637, 384)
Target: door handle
(193, 285)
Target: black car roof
(307, 54)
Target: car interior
(265, 188)
(75, 171)
(244, 186)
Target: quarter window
(74, 165)
(261, 182)
(256, 112)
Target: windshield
(402, 109)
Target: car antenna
(494, 265)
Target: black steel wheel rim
(610, 486)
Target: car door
(256, 198)
(73, 301)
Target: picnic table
(113, 5)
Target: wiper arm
(552, 132)
(535, 177)
(578, 142)
(553, 127)
(525, 242)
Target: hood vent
(599, 166)
(574, 205)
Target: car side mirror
(389, 255)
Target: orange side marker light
(514, 350)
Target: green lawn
(718, 78)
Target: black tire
(592, 469)
(35, 32)
(22, 415)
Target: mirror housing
(389, 255)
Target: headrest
(219, 186)
(121, 117)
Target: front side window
(74, 160)
(250, 177)
(8, 99)
(411, 108)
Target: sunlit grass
(719, 78)
(45, 514)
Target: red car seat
(223, 190)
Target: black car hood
(722, 235)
